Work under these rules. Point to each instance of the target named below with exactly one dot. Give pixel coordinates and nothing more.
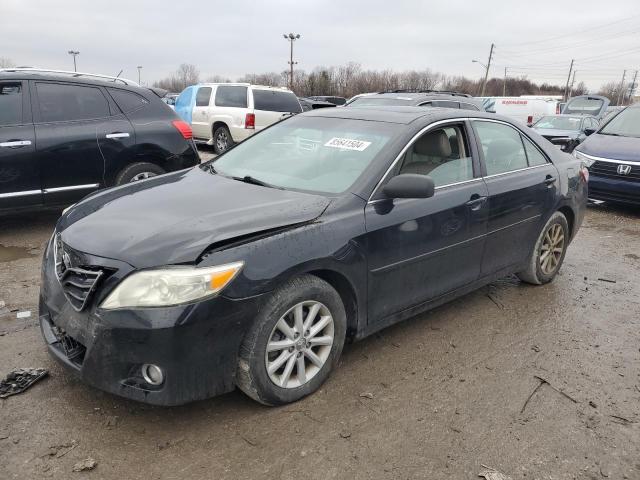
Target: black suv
(66, 134)
(418, 98)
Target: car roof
(401, 115)
(242, 84)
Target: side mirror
(589, 131)
(409, 185)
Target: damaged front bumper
(195, 345)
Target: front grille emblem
(624, 169)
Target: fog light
(152, 374)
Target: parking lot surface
(536, 382)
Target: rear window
(59, 102)
(275, 101)
(127, 101)
(591, 106)
(203, 96)
(10, 103)
(231, 96)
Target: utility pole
(632, 88)
(504, 84)
(75, 53)
(573, 80)
(486, 73)
(624, 74)
(566, 88)
(139, 68)
(291, 37)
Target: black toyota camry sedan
(252, 270)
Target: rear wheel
(549, 251)
(294, 342)
(138, 171)
(222, 140)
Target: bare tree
(6, 63)
(218, 79)
(187, 74)
(610, 90)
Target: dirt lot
(435, 397)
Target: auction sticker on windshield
(347, 144)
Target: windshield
(625, 124)
(591, 106)
(559, 123)
(308, 153)
(373, 101)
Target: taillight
(250, 120)
(530, 119)
(183, 128)
(557, 109)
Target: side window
(10, 103)
(442, 154)
(446, 104)
(533, 154)
(426, 104)
(469, 106)
(231, 96)
(502, 147)
(203, 96)
(59, 102)
(127, 101)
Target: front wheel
(294, 342)
(549, 251)
(138, 171)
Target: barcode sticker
(347, 144)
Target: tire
(138, 171)
(222, 140)
(540, 270)
(252, 376)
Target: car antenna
(117, 76)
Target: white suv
(222, 114)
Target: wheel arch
(217, 124)
(570, 215)
(347, 293)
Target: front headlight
(170, 286)
(586, 159)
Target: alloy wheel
(552, 249)
(222, 140)
(142, 176)
(299, 344)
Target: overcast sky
(234, 37)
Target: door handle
(117, 135)
(476, 203)
(549, 179)
(16, 143)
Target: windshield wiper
(612, 134)
(255, 181)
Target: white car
(222, 114)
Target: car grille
(73, 349)
(78, 285)
(78, 282)
(610, 169)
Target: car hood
(553, 132)
(173, 218)
(609, 146)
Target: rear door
(200, 116)
(271, 106)
(522, 185)
(68, 120)
(19, 170)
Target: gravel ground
(435, 397)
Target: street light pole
(483, 66)
(486, 69)
(291, 37)
(75, 53)
(139, 68)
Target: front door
(19, 171)
(419, 249)
(522, 185)
(69, 118)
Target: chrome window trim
(610, 160)
(516, 171)
(409, 144)
(23, 193)
(72, 187)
